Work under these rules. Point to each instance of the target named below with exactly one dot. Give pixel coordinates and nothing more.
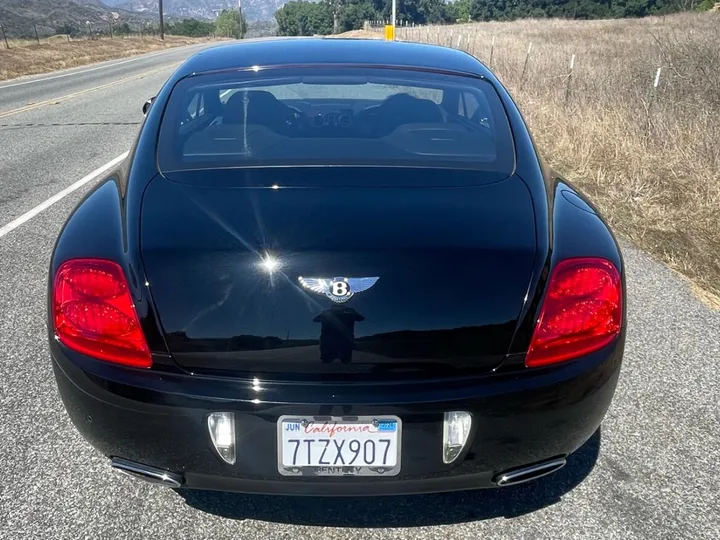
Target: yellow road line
(81, 92)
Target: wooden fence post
(525, 65)
(2, 29)
(569, 79)
(492, 49)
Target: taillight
(581, 313)
(94, 313)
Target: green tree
(122, 29)
(299, 18)
(459, 11)
(192, 28)
(355, 13)
(68, 29)
(416, 11)
(231, 23)
(306, 18)
(336, 8)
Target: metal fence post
(651, 101)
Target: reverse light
(94, 314)
(581, 313)
(222, 433)
(456, 430)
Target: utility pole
(394, 11)
(242, 26)
(162, 23)
(36, 34)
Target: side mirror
(146, 105)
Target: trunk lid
(453, 266)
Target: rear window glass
(322, 116)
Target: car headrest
(235, 109)
(403, 108)
(261, 104)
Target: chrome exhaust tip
(146, 473)
(525, 474)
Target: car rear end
(337, 287)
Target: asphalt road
(652, 472)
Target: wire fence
(29, 34)
(379, 24)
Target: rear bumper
(161, 421)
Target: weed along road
(650, 472)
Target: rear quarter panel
(98, 228)
(567, 225)
(105, 224)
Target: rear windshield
(339, 116)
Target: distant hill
(255, 10)
(18, 16)
(96, 3)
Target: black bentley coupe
(335, 267)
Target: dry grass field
(57, 53)
(650, 163)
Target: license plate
(339, 445)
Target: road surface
(651, 473)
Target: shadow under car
(403, 511)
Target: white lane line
(105, 66)
(27, 216)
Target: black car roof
(307, 50)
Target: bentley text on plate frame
(339, 269)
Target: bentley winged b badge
(338, 289)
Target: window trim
(456, 164)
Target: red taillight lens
(94, 313)
(582, 311)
